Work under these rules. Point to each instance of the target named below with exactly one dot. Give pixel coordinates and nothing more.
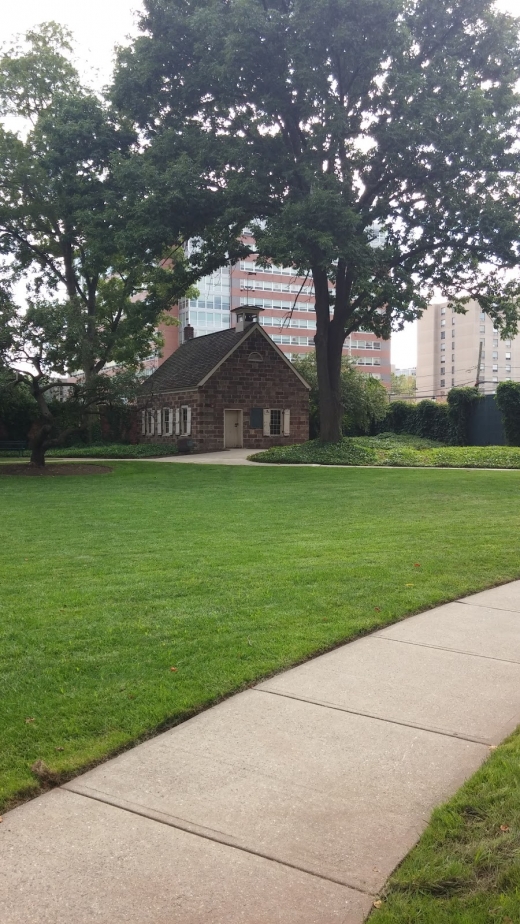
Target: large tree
(376, 141)
(90, 222)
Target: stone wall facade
(254, 376)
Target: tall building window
(443, 322)
(443, 334)
(443, 383)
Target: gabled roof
(196, 360)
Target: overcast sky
(98, 25)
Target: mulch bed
(64, 468)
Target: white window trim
(167, 421)
(285, 421)
(180, 428)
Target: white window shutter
(159, 423)
(188, 421)
(267, 421)
(151, 423)
(177, 421)
(287, 423)
(143, 423)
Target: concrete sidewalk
(291, 802)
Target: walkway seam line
(379, 718)
(163, 819)
(470, 654)
(482, 606)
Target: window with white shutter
(287, 423)
(159, 423)
(276, 422)
(177, 421)
(151, 423)
(167, 415)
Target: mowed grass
(466, 867)
(226, 574)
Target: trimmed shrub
(508, 400)
(446, 423)
(399, 418)
(431, 421)
(460, 403)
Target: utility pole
(477, 383)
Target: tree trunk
(39, 446)
(329, 349)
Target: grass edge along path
(133, 601)
(465, 868)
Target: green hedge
(447, 423)
(508, 400)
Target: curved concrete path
(290, 803)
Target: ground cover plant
(113, 451)
(133, 599)
(392, 450)
(466, 868)
(104, 451)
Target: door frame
(239, 411)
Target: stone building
(225, 390)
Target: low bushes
(113, 451)
(447, 423)
(397, 452)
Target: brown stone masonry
(254, 376)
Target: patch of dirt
(64, 468)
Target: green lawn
(226, 574)
(466, 867)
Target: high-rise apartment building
(288, 313)
(454, 350)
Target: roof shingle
(194, 360)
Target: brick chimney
(189, 332)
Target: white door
(232, 429)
